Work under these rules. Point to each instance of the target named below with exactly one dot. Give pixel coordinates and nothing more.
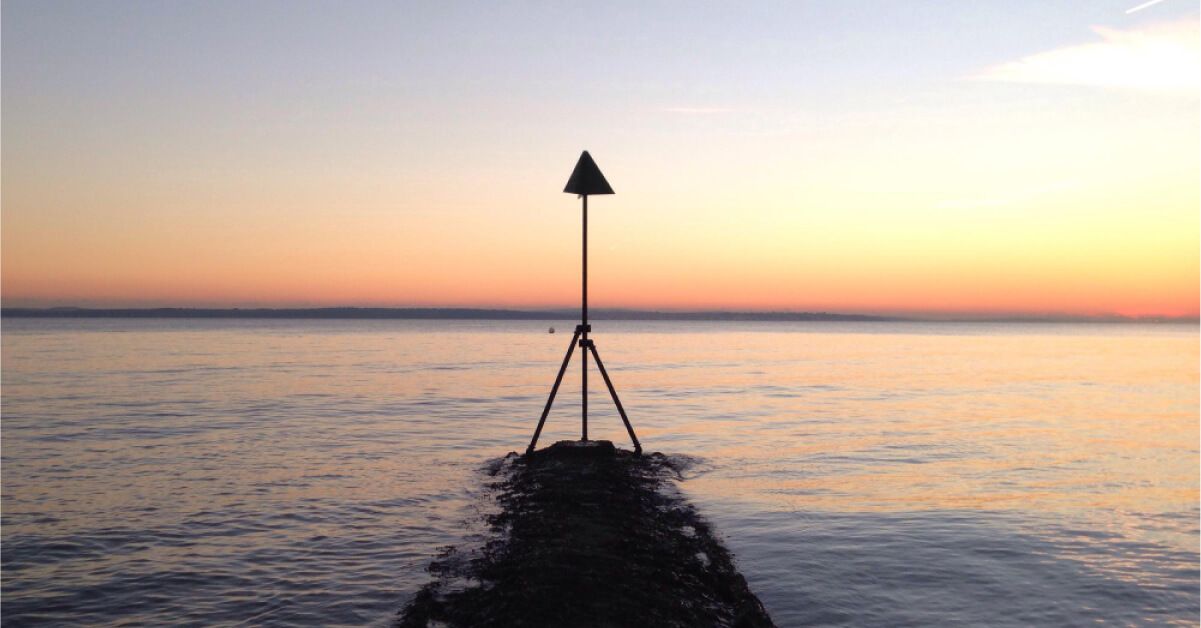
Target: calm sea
(304, 472)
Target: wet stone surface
(588, 535)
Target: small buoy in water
(552, 330)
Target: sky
(854, 156)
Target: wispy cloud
(1142, 6)
(1163, 57)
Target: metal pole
(584, 328)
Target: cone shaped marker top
(587, 178)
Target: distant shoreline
(379, 313)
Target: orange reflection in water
(1044, 417)
(227, 446)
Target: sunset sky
(975, 157)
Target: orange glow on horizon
(1023, 187)
(901, 292)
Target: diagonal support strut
(613, 391)
(554, 390)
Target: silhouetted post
(585, 179)
(584, 324)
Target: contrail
(1143, 6)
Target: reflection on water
(305, 471)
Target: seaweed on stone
(588, 535)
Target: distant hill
(426, 313)
(436, 313)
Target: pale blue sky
(191, 68)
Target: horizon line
(565, 313)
